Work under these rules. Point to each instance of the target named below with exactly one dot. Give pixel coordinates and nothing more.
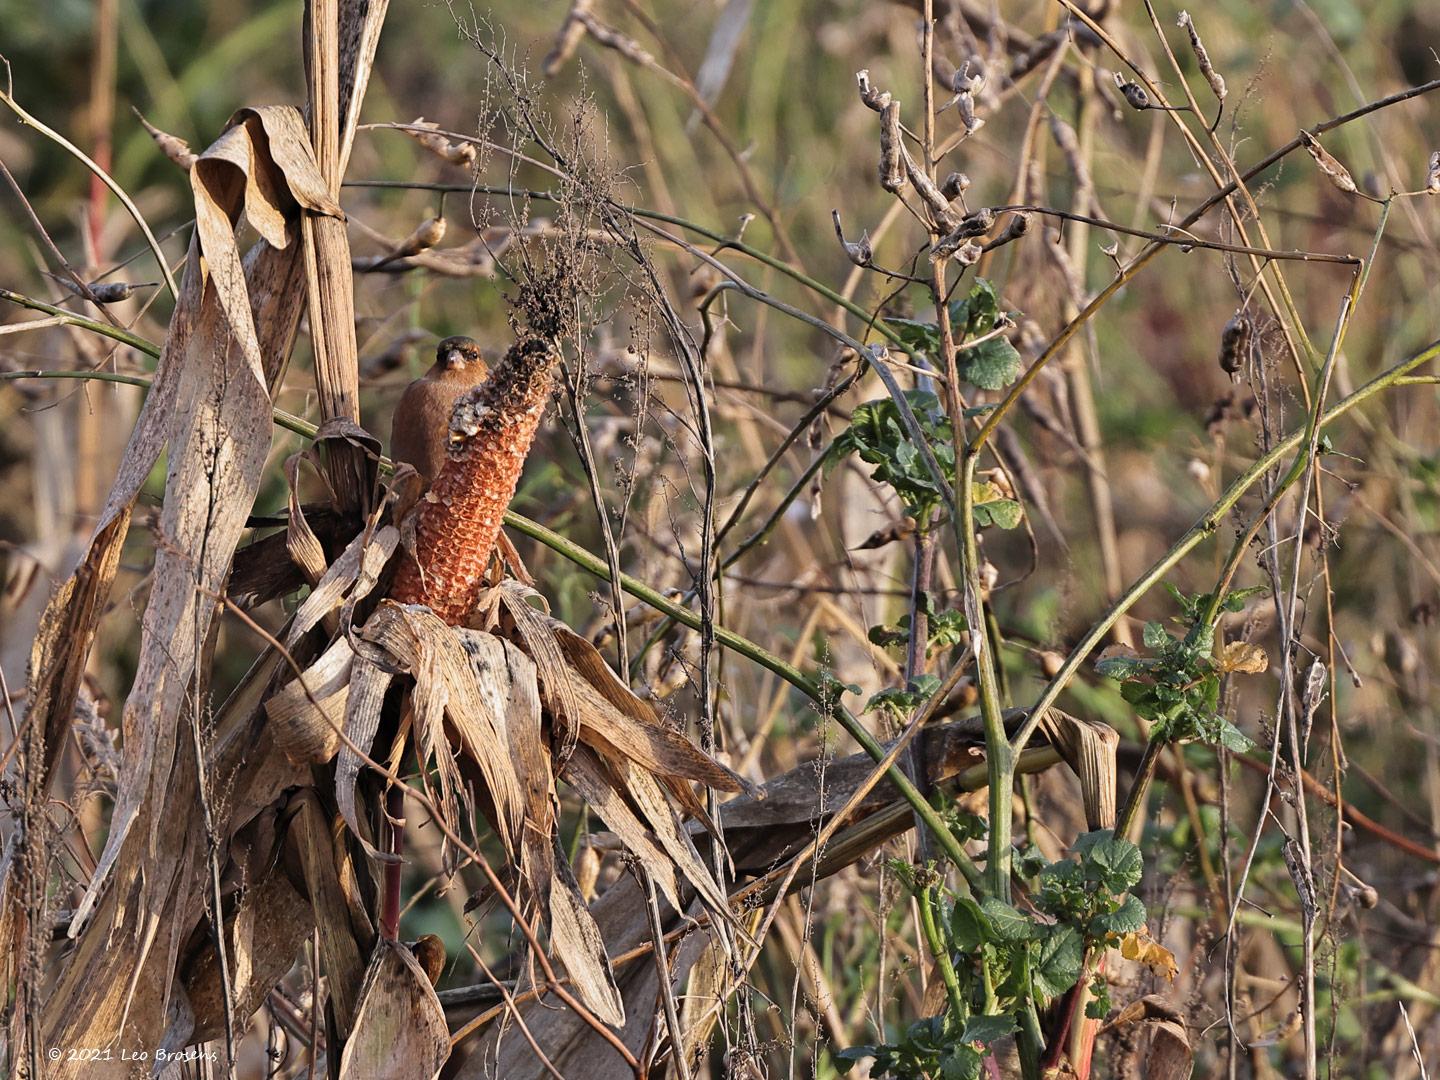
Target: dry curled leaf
(1244, 658)
(1141, 947)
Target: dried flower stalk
(458, 521)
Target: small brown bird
(420, 428)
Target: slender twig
(104, 177)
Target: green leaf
(1121, 668)
(1057, 965)
(1128, 919)
(1006, 923)
(1114, 863)
(961, 1063)
(1005, 513)
(1232, 738)
(1235, 601)
(923, 337)
(986, 1029)
(845, 1059)
(991, 365)
(1156, 637)
(969, 928)
(832, 688)
(922, 686)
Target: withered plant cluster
(937, 580)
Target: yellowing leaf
(1243, 657)
(1149, 952)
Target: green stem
(999, 754)
(281, 418)
(149, 348)
(104, 178)
(1201, 531)
(938, 949)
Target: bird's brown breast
(421, 425)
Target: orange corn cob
(458, 521)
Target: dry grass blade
(265, 933)
(368, 684)
(579, 945)
(351, 576)
(1088, 747)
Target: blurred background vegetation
(785, 124)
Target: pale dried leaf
(1141, 947)
(660, 749)
(399, 1031)
(353, 575)
(578, 945)
(557, 682)
(264, 936)
(593, 783)
(288, 144)
(368, 684)
(444, 685)
(1088, 747)
(505, 680)
(340, 953)
(307, 713)
(1244, 657)
(438, 143)
(304, 546)
(645, 793)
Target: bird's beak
(455, 359)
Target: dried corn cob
(459, 519)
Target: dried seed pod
(972, 122)
(1202, 58)
(945, 218)
(860, 253)
(876, 100)
(1235, 343)
(425, 236)
(1338, 174)
(611, 38)
(1134, 93)
(977, 224)
(892, 150)
(572, 32)
(172, 146)
(1432, 177)
(955, 185)
(459, 519)
(969, 77)
(1018, 226)
(968, 253)
(457, 153)
(104, 292)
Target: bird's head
(459, 354)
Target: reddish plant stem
(390, 898)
